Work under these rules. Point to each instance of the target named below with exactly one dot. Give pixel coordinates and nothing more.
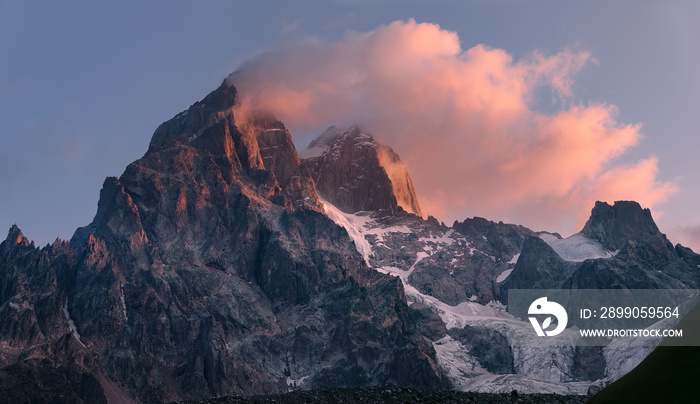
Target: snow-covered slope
(383, 242)
(577, 247)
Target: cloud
(466, 122)
(688, 236)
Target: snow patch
(121, 298)
(468, 374)
(502, 277)
(443, 239)
(453, 357)
(380, 232)
(296, 383)
(400, 273)
(352, 224)
(453, 316)
(577, 247)
(514, 260)
(71, 324)
(621, 358)
(419, 257)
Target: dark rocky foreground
(397, 395)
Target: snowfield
(538, 368)
(577, 247)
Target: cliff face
(209, 269)
(212, 268)
(620, 246)
(355, 173)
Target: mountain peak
(627, 227)
(355, 173)
(191, 123)
(15, 236)
(615, 225)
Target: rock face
(212, 267)
(488, 346)
(355, 173)
(615, 226)
(500, 240)
(209, 269)
(460, 273)
(626, 250)
(538, 267)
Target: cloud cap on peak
(466, 122)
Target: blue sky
(83, 85)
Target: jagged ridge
(210, 269)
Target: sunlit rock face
(223, 263)
(355, 173)
(209, 269)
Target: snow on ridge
(353, 225)
(577, 247)
(360, 224)
(380, 232)
(445, 238)
(534, 370)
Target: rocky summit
(355, 173)
(620, 247)
(209, 269)
(222, 263)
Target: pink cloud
(464, 121)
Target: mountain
(457, 280)
(224, 263)
(209, 269)
(620, 246)
(355, 173)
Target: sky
(525, 112)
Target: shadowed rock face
(209, 269)
(614, 226)
(642, 256)
(627, 227)
(355, 173)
